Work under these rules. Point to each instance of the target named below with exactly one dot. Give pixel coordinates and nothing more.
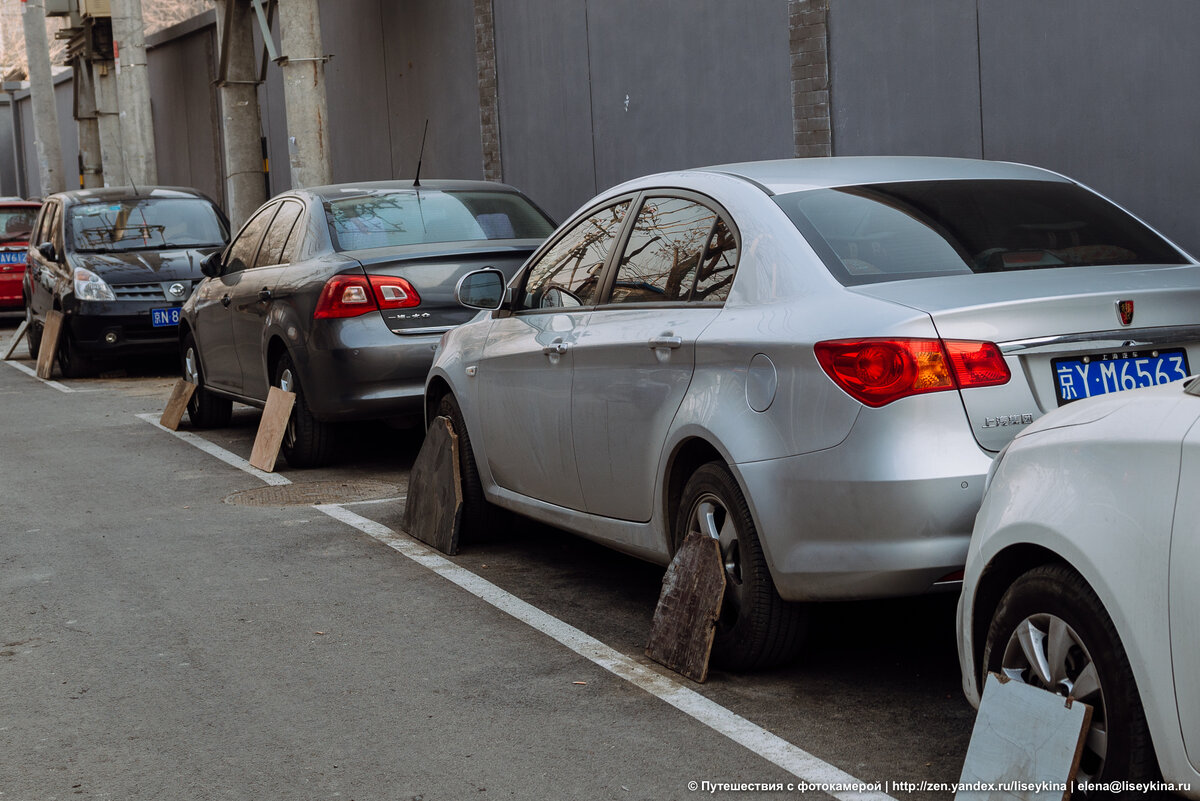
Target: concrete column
(111, 153)
(41, 87)
(91, 166)
(304, 93)
(241, 123)
(133, 91)
(489, 100)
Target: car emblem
(1125, 311)
(177, 289)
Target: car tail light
(352, 295)
(879, 371)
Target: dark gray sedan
(340, 294)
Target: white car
(1081, 577)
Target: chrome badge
(1125, 311)
(176, 290)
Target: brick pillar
(809, 38)
(489, 99)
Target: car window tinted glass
(16, 222)
(144, 224)
(568, 274)
(391, 218)
(244, 249)
(891, 232)
(663, 253)
(273, 243)
(718, 266)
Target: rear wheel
(33, 332)
(71, 361)
(479, 517)
(205, 410)
(1051, 631)
(757, 628)
(307, 442)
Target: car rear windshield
(144, 224)
(394, 218)
(16, 222)
(892, 232)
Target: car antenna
(421, 155)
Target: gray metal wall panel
(1100, 92)
(545, 104)
(68, 137)
(707, 82)
(905, 78)
(184, 105)
(432, 74)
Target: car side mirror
(211, 264)
(481, 289)
(47, 251)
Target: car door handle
(225, 301)
(264, 294)
(666, 342)
(557, 346)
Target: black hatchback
(340, 294)
(118, 263)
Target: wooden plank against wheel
(433, 510)
(50, 334)
(181, 393)
(681, 635)
(271, 429)
(17, 336)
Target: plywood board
(433, 510)
(49, 347)
(181, 393)
(681, 634)
(17, 336)
(271, 429)
(1026, 743)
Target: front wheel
(307, 442)
(71, 361)
(205, 410)
(1051, 631)
(757, 628)
(479, 517)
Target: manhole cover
(315, 492)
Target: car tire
(71, 362)
(1055, 594)
(756, 628)
(480, 519)
(33, 333)
(205, 410)
(307, 442)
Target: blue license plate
(12, 257)
(164, 317)
(1101, 374)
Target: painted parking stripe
(217, 451)
(771, 747)
(33, 373)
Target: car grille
(148, 291)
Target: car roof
(334, 191)
(795, 175)
(112, 193)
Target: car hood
(140, 266)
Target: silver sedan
(812, 361)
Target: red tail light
(352, 295)
(879, 371)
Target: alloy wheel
(710, 517)
(287, 383)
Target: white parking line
(771, 747)
(216, 450)
(31, 372)
(775, 749)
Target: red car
(16, 221)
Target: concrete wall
(1077, 86)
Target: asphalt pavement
(166, 631)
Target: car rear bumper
(357, 369)
(883, 514)
(10, 289)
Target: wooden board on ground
(17, 336)
(271, 429)
(681, 634)
(181, 393)
(49, 346)
(433, 511)
(1025, 739)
